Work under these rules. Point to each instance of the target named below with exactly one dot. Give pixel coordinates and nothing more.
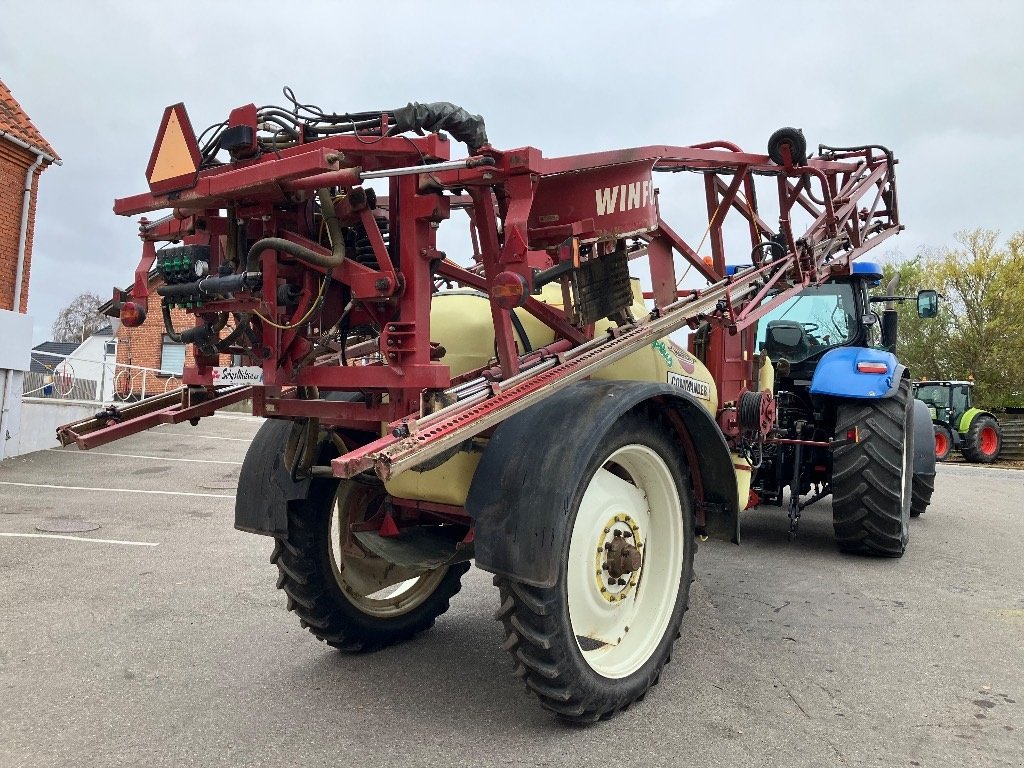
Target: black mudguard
(520, 495)
(924, 440)
(265, 485)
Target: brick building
(148, 346)
(24, 155)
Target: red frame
(521, 206)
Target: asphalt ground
(183, 653)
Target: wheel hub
(619, 558)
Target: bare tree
(80, 319)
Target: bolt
(618, 533)
(392, 328)
(607, 530)
(603, 590)
(628, 534)
(611, 582)
(621, 582)
(381, 285)
(625, 629)
(392, 356)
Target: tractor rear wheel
(983, 440)
(597, 640)
(943, 442)
(342, 592)
(872, 477)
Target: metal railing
(117, 382)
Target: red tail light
(133, 314)
(870, 367)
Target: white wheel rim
(372, 584)
(619, 627)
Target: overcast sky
(940, 83)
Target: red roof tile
(14, 121)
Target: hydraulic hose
(299, 252)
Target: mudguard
(520, 507)
(837, 374)
(968, 418)
(924, 440)
(265, 485)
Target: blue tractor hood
(838, 375)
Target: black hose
(300, 252)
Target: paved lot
(792, 655)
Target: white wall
(15, 357)
(40, 417)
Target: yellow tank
(461, 322)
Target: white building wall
(15, 357)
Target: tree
(80, 319)
(979, 333)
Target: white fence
(117, 381)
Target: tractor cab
(946, 400)
(797, 333)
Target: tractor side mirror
(927, 303)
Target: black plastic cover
(443, 116)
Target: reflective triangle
(175, 153)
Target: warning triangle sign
(175, 158)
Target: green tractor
(958, 424)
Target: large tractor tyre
(343, 593)
(922, 490)
(598, 639)
(943, 442)
(872, 477)
(983, 440)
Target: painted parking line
(137, 456)
(165, 433)
(80, 538)
(117, 490)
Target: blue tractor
(847, 422)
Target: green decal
(662, 349)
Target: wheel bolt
(621, 582)
(628, 534)
(618, 533)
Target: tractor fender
(837, 375)
(521, 509)
(924, 440)
(969, 416)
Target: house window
(110, 348)
(172, 356)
